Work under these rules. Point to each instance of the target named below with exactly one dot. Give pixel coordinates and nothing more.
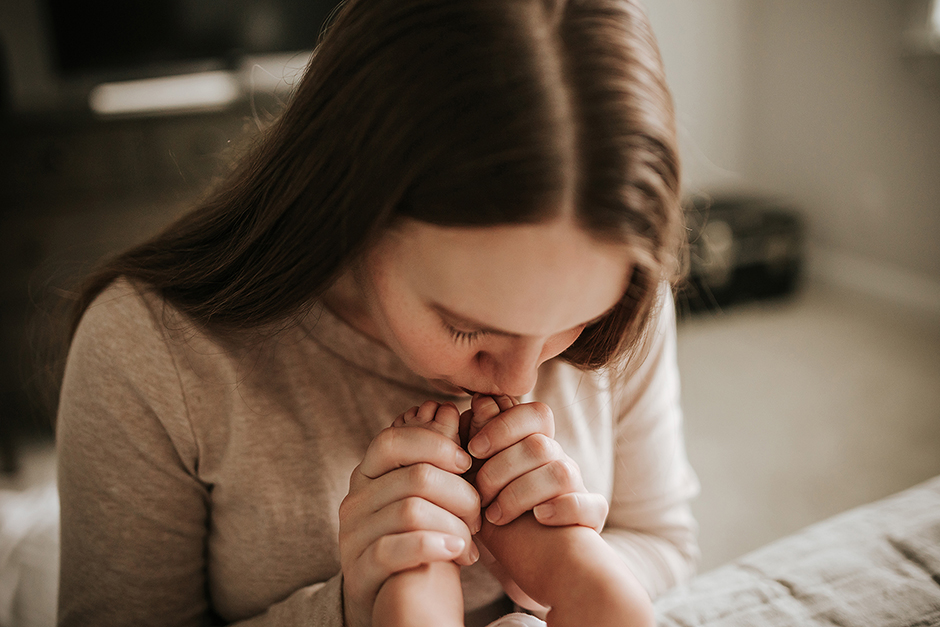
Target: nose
(513, 369)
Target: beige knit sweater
(200, 479)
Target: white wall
(815, 100)
(847, 125)
(705, 53)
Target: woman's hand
(526, 469)
(407, 505)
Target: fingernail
(454, 544)
(477, 525)
(474, 553)
(464, 461)
(545, 511)
(479, 446)
(493, 513)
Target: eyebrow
(479, 326)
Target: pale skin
(473, 310)
(569, 569)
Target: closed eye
(462, 337)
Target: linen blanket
(878, 564)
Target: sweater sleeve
(134, 514)
(650, 522)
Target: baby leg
(426, 596)
(570, 569)
(430, 595)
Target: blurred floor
(795, 410)
(801, 409)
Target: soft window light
(189, 92)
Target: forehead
(528, 279)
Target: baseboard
(874, 278)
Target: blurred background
(809, 339)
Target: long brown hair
(463, 112)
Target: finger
(576, 508)
(510, 427)
(542, 484)
(395, 448)
(394, 553)
(444, 489)
(505, 467)
(407, 515)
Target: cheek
(428, 349)
(560, 343)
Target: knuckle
(421, 477)
(562, 473)
(499, 428)
(383, 552)
(543, 413)
(413, 513)
(473, 501)
(541, 447)
(509, 502)
(384, 443)
(485, 483)
(445, 449)
(424, 544)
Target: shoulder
(124, 312)
(119, 325)
(122, 341)
(132, 324)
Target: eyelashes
(462, 337)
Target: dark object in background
(137, 39)
(4, 81)
(741, 249)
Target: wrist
(352, 614)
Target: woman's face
(479, 309)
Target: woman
(477, 196)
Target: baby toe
(406, 418)
(426, 412)
(447, 420)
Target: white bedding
(29, 557)
(878, 564)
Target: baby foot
(485, 408)
(442, 418)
